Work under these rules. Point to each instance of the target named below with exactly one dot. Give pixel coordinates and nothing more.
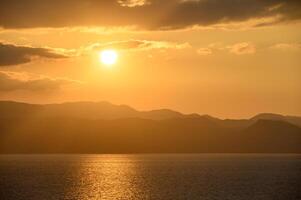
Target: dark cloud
(13, 55)
(146, 14)
(12, 81)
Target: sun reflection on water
(104, 177)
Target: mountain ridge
(70, 128)
(163, 113)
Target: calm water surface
(158, 177)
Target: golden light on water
(104, 177)
(108, 57)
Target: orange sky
(231, 60)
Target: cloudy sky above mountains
(227, 58)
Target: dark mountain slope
(272, 136)
(61, 135)
(86, 127)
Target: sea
(150, 176)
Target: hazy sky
(229, 59)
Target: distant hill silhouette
(83, 110)
(271, 116)
(86, 127)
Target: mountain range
(101, 127)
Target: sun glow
(108, 57)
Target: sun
(108, 57)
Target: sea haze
(150, 176)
